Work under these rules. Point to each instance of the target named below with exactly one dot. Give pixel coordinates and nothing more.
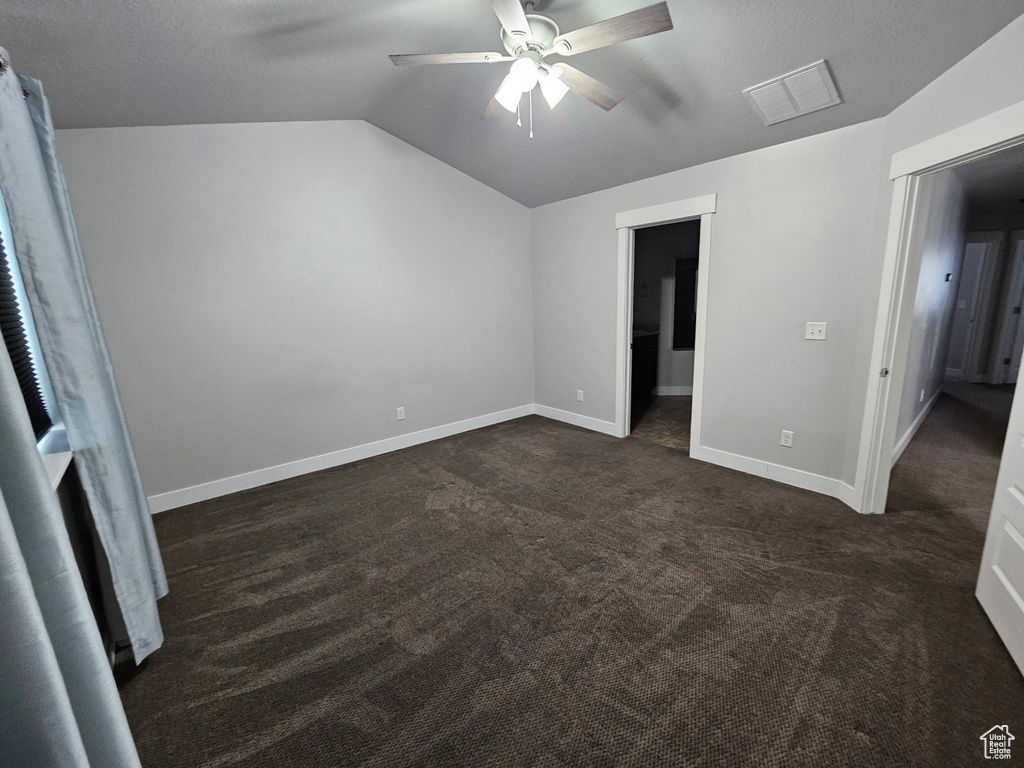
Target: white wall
(272, 292)
(988, 79)
(942, 216)
(788, 245)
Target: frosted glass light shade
(523, 74)
(552, 88)
(508, 95)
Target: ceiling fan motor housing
(543, 32)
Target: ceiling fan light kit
(523, 74)
(508, 94)
(529, 38)
(551, 86)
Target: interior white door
(978, 367)
(966, 311)
(1001, 581)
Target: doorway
(947, 313)
(695, 214)
(665, 270)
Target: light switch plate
(816, 331)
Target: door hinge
(884, 372)
(1016, 310)
(1007, 361)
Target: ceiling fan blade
(628, 26)
(512, 17)
(401, 59)
(590, 89)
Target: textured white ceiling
(153, 62)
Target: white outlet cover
(786, 439)
(816, 331)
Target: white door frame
(626, 222)
(980, 138)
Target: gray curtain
(67, 324)
(59, 705)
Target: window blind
(12, 325)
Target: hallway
(950, 466)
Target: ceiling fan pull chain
(519, 117)
(531, 115)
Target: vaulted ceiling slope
(151, 62)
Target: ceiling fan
(530, 38)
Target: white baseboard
(903, 442)
(162, 502)
(171, 500)
(798, 478)
(954, 373)
(587, 422)
(674, 391)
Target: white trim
(54, 441)
(665, 213)
(56, 464)
(954, 373)
(700, 334)
(161, 502)
(623, 331)
(798, 478)
(640, 218)
(986, 135)
(578, 420)
(904, 441)
(673, 391)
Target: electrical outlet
(787, 438)
(816, 331)
(401, 412)
(579, 395)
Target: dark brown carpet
(666, 422)
(533, 594)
